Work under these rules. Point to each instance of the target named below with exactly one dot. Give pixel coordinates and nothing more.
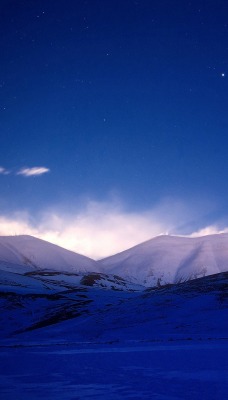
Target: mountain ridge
(33, 253)
(170, 259)
(159, 261)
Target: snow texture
(170, 259)
(33, 253)
(71, 332)
(174, 371)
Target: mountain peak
(36, 253)
(170, 259)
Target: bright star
(223, 74)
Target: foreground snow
(173, 371)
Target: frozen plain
(170, 371)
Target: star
(223, 74)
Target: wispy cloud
(104, 228)
(97, 232)
(4, 171)
(34, 171)
(209, 230)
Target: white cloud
(209, 230)
(100, 231)
(103, 228)
(4, 171)
(34, 171)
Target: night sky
(114, 102)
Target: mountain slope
(192, 310)
(32, 254)
(44, 298)
(170, 259)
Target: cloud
(101, 229)
(97, 232)
(4, 171)
(209, 230)
(34, 171)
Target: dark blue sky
(129, 97)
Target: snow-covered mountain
(159, 261)
(170, 259)
(34, 254)
(32, 266)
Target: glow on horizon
(103, 229)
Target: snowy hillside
(32, 254)
(92, 343)
(41, 298)
(170, 259)
(196, 309)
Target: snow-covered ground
(174, 371)
(98, 343)
(195, 310)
